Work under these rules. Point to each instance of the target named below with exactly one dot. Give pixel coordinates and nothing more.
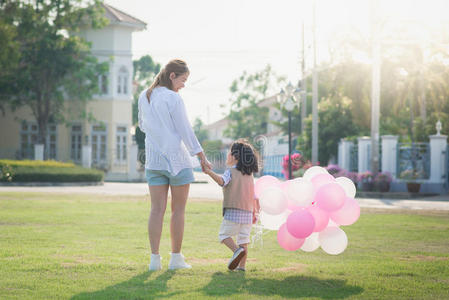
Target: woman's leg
(179, 195)
(158, 194)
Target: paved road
(210, 190)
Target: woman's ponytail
(155, 83)
(176, 66)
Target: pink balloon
(330, 197)
(300, 223)
(264, 182)
(287, 241)
(347, 214)
(321, 217)
(293, 206)
(322, 179)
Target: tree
(200, 132)
(336, 122)
(55, 66)
(9, 55)
(247, 118)
(145, 68)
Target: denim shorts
(161, 177)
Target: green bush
(46, 171)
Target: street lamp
(438, 127)
(288, 100)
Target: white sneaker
(236, 258)
(155, 262)
(177, 262)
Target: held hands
(206, 166)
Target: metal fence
(380, 156)
(218, 161)
(354, 158)
(413, 158)
(446, 173)
(272, 165)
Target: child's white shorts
(231, 229)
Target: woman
(169, 144)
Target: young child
(240, 207)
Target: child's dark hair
(246, 156)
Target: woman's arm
(183, 127)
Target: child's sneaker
(155, 262)
(236, 257)
(177, 262)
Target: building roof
(267, 102)
(219, 123)
(117, 16)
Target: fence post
(389, 154)
(38, 151)
(344, 154)
(363, 144)
(86, 156)
(132, 162)
(438, 144)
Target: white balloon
(301, 192)
(273, 222)
(311, 243)
(333, 240)
(332, 223)
(273, 201)
(312, 171)
(347, 185)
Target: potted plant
(410, 176)
(335, 170)
(382, 182)
(297, 161)
(366, 179)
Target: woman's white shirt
(169, 138)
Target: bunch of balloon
(308, 211)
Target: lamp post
(288, 100)
(438, 127)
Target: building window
(99, 138)
(103, 84)
(122, 81)
(28, 138)
(76, 143)
(121, 145)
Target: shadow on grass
(138, 287)
(225, 284)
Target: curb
(81, 183)
(394, 195)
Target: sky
(220, 40)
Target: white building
(108, 137)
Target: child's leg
(243, 261)
(229, 242)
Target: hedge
(46, 171)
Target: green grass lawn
(96, 247)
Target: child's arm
(217, 178)
(256, 210)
